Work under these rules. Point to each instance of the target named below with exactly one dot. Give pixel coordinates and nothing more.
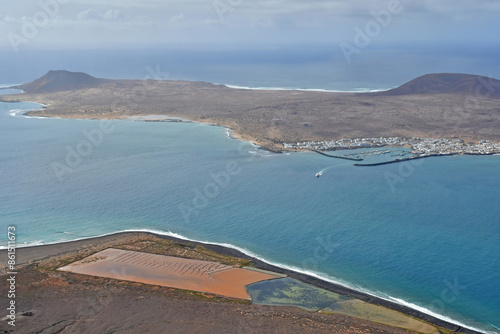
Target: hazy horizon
(313, 66)
(383, 43)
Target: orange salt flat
(180, 273)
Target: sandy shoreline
(273, 117)
(274, 147)
(271, 147)
(28, 255)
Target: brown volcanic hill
(271, 118)
(449, 83)
(55, 81)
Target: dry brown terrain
(52, 301)
(271, 118)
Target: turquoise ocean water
(430, 241)
(425, 235)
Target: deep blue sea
(430, 240)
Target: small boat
(318, 174)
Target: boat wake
(324, 170)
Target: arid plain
(432, 106)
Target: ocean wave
(259, 151)
(355, 90)
(318, 275)
(495, 327)
(34, 117)
(230, 134)
(8, 85)
(26, 244)
(22, 112)
(17, 112)
(436, 315)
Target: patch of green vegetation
(224, 259)
(56, 264)
(213, 298)
(380, 314)
(156, 245)
(290, 292)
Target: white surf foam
(26, 244)
(495, 327)
(36, 117)
(318, 275)
(434, 314)
(17, 112)
(22, 112)
(355, 90)
(230, 134)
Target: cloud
(256, 21)
(176, 18)
(143, 4)
(343, 8)
(93, 15)
(112, 14)
(89, 14)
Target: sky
(77, 24)
(350, 40)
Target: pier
(402, 160)
(337, 157)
